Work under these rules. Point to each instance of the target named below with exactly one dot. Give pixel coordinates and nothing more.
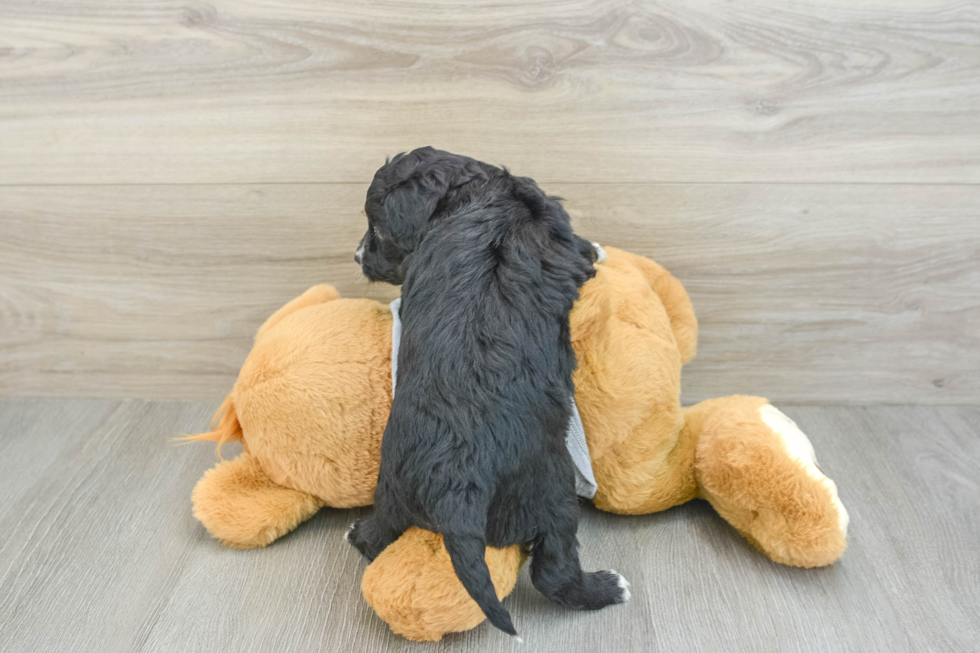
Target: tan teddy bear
(312, 400)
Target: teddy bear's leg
(758, 470)
(243, 508)
(651, 471)
(413, 587)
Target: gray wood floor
(99, 551)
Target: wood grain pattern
(249, 91)
(806, 293)
(826, 220)
(814, 293)
(100, 551)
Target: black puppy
(475, 443)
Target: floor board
(100, 551)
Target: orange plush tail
(224, 427)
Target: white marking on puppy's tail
(518, 639)
(348, 531)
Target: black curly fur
(475, 444)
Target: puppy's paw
(354, 537)
(364, 536)
(624, 585)
(606, 588)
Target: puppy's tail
(467, 553)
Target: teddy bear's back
(313, 398)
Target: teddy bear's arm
(315, 295)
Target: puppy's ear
(527, 191)
(408, 208)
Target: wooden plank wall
(171, 172)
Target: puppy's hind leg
(556, 573)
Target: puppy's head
(407, 193)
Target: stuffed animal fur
(312, 400)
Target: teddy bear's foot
(413, 587)
(758, 470)
(243, 508)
